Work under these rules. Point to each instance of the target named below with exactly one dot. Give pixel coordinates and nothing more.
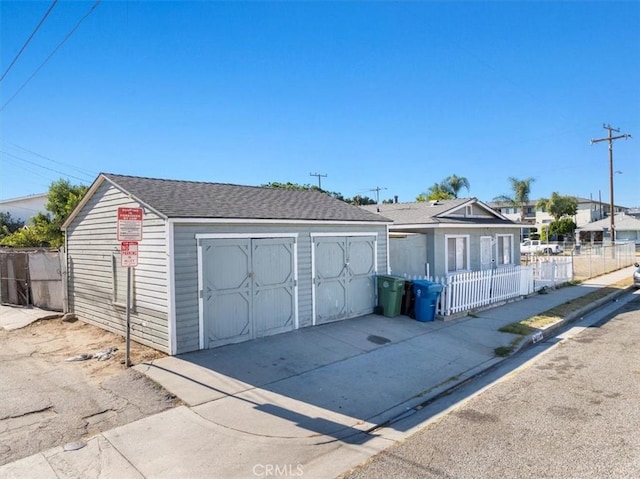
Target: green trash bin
(390, 292)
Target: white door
(486, 252)
(344, 280)
(248, 288)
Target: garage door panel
(361, 296)
(248, 288)
(273, 311)
(272, 262)
(229, 317)
(273, 285)
(331, 301)
(344, 277)
(230, 264)
(331, 257)
(361, 256)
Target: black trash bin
(407, 307)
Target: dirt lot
(47, 401)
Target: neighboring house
(513, 213)
(448, 236)
(25, 207)
(221, 263)
(588, 212)
(635, 212)
(627, 229)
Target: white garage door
(344, 276)
(248, 288)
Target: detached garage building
(221, 263)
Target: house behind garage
(446, 237)
(221, 263)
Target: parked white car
(538, 247)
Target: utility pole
(377, 190)
(319, 175)
(610, 139)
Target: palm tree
(455, 183)
(520, 197)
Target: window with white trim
(119, 282)
(505, 249)
(457, 253)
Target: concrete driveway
(334, 380)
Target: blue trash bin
(426, 295)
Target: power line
(71, 32)
(90, 174)
(29, 39)
(40, 166)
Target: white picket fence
(467, 291)
(552, 271)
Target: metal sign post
(129, 260)
(129, 232)
(127, 355)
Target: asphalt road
(570, 411)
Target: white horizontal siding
(91, 242)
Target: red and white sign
(129, 224)
(129, 254)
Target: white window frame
(466, 259)
(119, 282)
(500, 259)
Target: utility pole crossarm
(598, 140)
(319, 175)
(377, 190)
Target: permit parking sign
(129, 254)
(129, 224)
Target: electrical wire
(40, 166)
(88, 173)
(71, 32)
(29, 39)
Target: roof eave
(91, 191)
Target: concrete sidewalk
(307, 403)
(16, 317)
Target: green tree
(357, 200)
(558, 206)
(361, 200)
(62, 198)
(521, 189)
(563, 226)
(290, 186)
(455, 183)
(561, 208)
(8, 225)
(437, 191)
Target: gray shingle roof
(622, 222)
(426, 213)
(193, 199)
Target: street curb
(548, 332)
(528, 342)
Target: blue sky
(372, 94)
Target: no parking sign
(129, 254)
